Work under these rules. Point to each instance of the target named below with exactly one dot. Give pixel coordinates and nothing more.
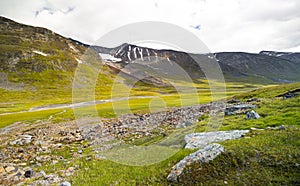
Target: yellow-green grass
(274, 111)
(24, 100)
(260, 158)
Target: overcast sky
(223, 25)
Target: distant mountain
(266, 67)
(291, 56)
(236, 66)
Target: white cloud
(231, 25)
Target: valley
(82, 113)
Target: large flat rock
(200, 140)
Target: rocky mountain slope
(24, 47)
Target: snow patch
(148, 54)
(156, 57)
(141, 53)
(128, 55)
(109, 58)
(120, 50)
(168, 59)
(134, 51)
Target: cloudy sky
(223, 25)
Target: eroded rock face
(206, 154)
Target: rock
(10, 169)
(200, 140)
(27, 138)
(185, 124)
(2, 171)
(281, 127)
(43, 173)
(233, 101)
(28, 173)
(238, 109)
(253, 100)
(16, 178)
(65, 183)
(289, 95)
(22, 164)
(252, 115)
(255, 129)
(71, 169)
(24, 139)
(207, 154)
(98, 157)
(20, 150)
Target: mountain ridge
(38, 49)
(278, 67)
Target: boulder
(10, 169)
(28, 173)
(253, 100)
(65, 183)
(200, 140)
(238, 109)
(206, 154)
(233, 101)
(2, 171)
(252, 115)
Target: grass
(105, 172)
(39, 91)
(269, 157)
(56, 115)
(261, 158)
(274, 111)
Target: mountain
(236, 66)
(291, 56)
(40, 65)
(36, 48)
(27, 49)
(272, 68)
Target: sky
(223, 25)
